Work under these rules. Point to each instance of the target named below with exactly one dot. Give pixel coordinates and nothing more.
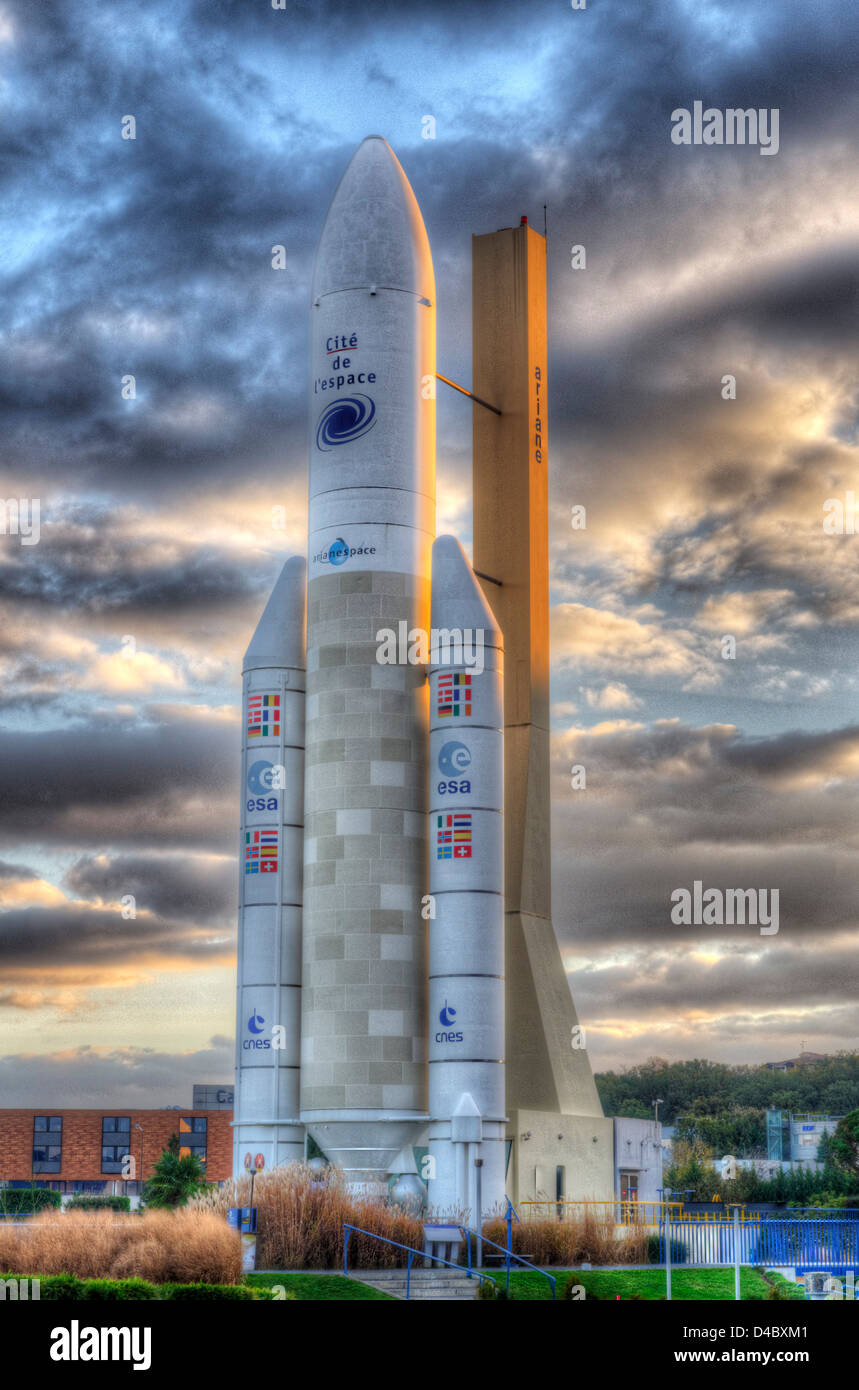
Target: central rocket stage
(372, 524)
(402, 1032)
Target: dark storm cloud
(780, 978)
(54, 945)
(678, 805)
(172, 281)
(813, 305)
(187, 888)
(173, 781)
(92, 568)
(179, 223)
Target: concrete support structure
(372, 523)
(266, 1127)
(547, 1074)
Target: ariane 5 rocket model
(371, 1003)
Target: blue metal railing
(509, 1255)
(348, 1229)
(795, 1240)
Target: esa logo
(262, 777)
(453, 758)
(256, 1024)
(446, 1018)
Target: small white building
(637, 1159)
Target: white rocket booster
(466, 881)
(266, 1126)
(371, 526)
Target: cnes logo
(76, 1343)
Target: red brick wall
(82, 1142)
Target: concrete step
(448, 1284)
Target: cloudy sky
(152, 258)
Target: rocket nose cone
(374, 233)
(457, 598)
(279, 637)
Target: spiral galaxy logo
(344, 420)
(454, 757)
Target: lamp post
(666, 1193)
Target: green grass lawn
(687, 1285)
(313, 1287)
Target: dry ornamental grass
(185, 1246)
(301, 1215)
(569, 1243)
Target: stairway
(448, 1284)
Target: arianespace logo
(344, 421)
(338, 552)
(454, 758)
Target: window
(47, 1143)
(115, 1139)
(193, 1129)
(629, 1187)
(47, 1153)
(192, 1140)
(112, 1156)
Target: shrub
(15, 1200)
(83, 1201)
(301, 1215)
(161, 1246)
(192, 1293)
(174, 1178)
(491, 1292)
(117, 1290)
(777, 1293)
(63, 1287)
(57, 1286)
(656, 1251)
